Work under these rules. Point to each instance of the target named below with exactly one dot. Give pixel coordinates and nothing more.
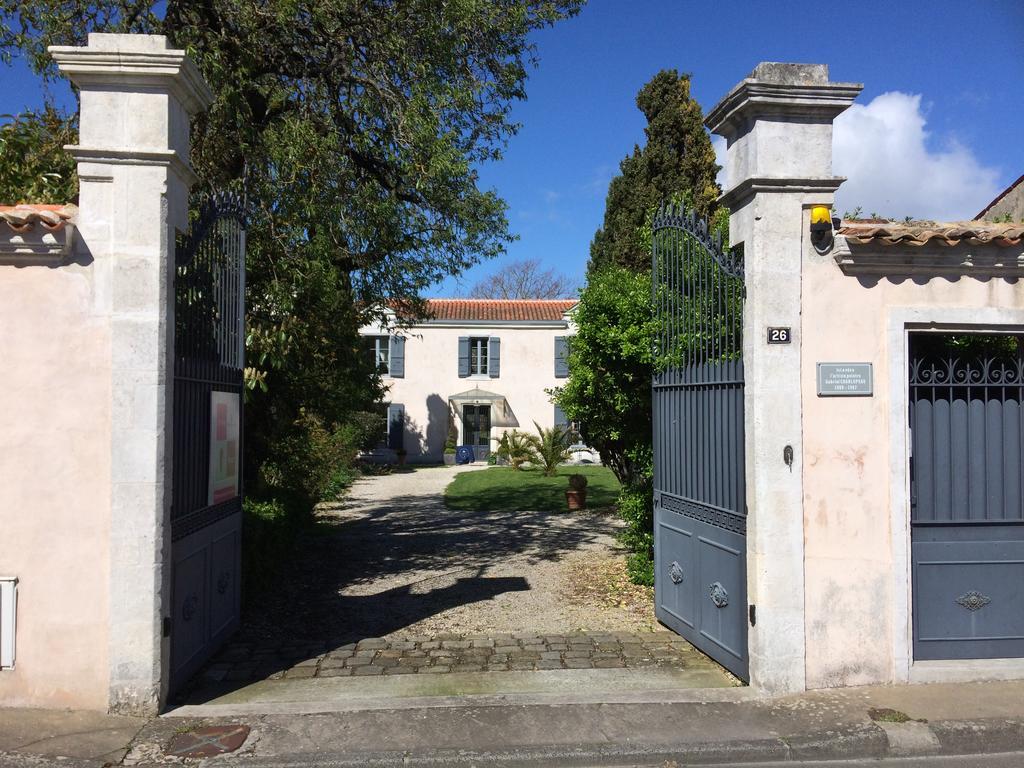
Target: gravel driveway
(390, 559)
(390, 581)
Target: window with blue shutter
(560, 420)
(379, 348)
(561, 357)
(463, 356)
(396, 367)
(494, 357)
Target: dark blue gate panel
(675, 559)
(969, 589)
(721, 590)
(205, 594)
(189, 611)
(967, 517)
(700, 584)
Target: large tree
(523, 279)
(356, 128)
(677, 159)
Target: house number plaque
(780, 335)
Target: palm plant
(516, 448)
(550, 447)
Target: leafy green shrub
(636, 508)
(640, 568)
(314, 462)
(516, 448)
(269, 530)
(550, 447)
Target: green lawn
(528, 490)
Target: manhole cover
(207, 742)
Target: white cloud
(720, 149)
(883, 150)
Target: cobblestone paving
(460, 653)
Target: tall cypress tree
(677, 160)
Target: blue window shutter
(397, 358)
(561, 357)
(560, 420)
(396, 426)
(463, 356)
(494, 357)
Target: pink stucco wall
(55, 483)
(852, 580)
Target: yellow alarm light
(821, 228)
(821, 214)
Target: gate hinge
(753, 614)
(166, 626)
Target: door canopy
(501, 414)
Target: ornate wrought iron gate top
(699, 293)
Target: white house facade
(477, 367)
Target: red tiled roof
(22, 218)
(927, 232)
(499, 309)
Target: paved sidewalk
(681, 727)
(665, 729)
(31, 737)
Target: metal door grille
(699, 471)
(967, 495)
(209, 312)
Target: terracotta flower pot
(576, 499)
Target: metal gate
(700, 581)
(206, 501)
(967, 495)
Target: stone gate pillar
(778, 125)
(137, 95)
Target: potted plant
(449, 453)
(576, 496)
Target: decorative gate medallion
(675, 573)
(973, 601)
(718, 595)
(700, 514)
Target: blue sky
(938, 130)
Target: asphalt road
(1007, 760)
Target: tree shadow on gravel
(398, 561)
(425, 557)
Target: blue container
(464, 454)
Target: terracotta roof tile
(22, 218)
(499, 309)
(930, 232)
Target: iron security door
(206, 502)
(967, 514)
(700, 577)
